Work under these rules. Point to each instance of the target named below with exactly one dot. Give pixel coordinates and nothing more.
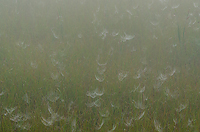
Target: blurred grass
(27, 39)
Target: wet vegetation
(98, 65)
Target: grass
(44, 79)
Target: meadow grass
(49, 59)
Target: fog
(99, 65)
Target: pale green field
(99, 66)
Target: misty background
(99, 65)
